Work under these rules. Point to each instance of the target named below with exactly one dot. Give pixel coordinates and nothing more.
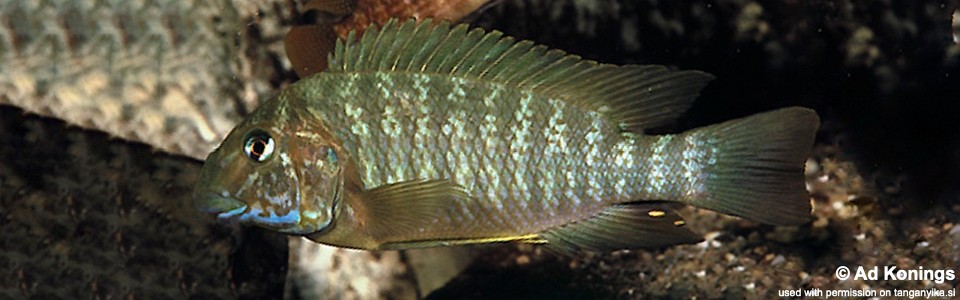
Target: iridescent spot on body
(694, 155)
(554, 155)
(347, 88)
(457, 93)
(458, 156)
(593, 159)
(489, 133)
(421, 83)
(624, 163)
(355, 113)
(424, 136)
(385, 85)
(658, 163)
(361, 133)
(520, 148)
(392, 130)
(389, 123)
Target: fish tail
(755, 166)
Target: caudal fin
(757, 166)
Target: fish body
(428, 135)
(529, 164)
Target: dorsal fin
(634, 96)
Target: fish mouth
(222, 206)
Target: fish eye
(258, 145)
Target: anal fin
(624, 226)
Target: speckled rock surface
(324, 272)
(144, 71)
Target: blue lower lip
(232, 213)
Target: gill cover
(316, 156)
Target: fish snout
(221, 206)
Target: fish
(955, 22)
(424, 134)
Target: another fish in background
(425, 135)
(956, 26)
(308, 44)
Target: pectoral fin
(398, 209)
(624, 226)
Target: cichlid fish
(427, 134)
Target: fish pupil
(258, 147)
